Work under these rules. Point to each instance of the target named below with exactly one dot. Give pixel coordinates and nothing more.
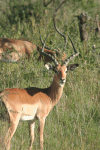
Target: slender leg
(9, 135)
(31, 133)
(14, 120)
(41, 129)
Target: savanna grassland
(74, 123)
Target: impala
(35, 103)
(11, 50)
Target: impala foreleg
(31, 133)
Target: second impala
(11, 50)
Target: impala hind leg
(31, 133)
(14, 120)
(9, 135)
(41, 129)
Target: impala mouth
(62, 82)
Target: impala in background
(11, 50)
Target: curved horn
(48, 55)
(65, 39)
(72, 56)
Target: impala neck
(55, 92)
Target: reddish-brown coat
(23, 104)
(22, 47)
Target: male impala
(35, 103)
(11, 50)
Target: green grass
(74, 123)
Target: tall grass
(74, 123)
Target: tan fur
(19, 48)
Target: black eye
(56, 71)
(66, 71)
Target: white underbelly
(28, 112)
(26, 118)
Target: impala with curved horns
(35, 103)
(11, 50)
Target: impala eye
(56, 71)
(66, 70)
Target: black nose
(63, 80)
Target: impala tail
(3, 110)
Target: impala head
(60, 74)
(61, 70)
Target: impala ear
(49, 66)
(72, 67)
